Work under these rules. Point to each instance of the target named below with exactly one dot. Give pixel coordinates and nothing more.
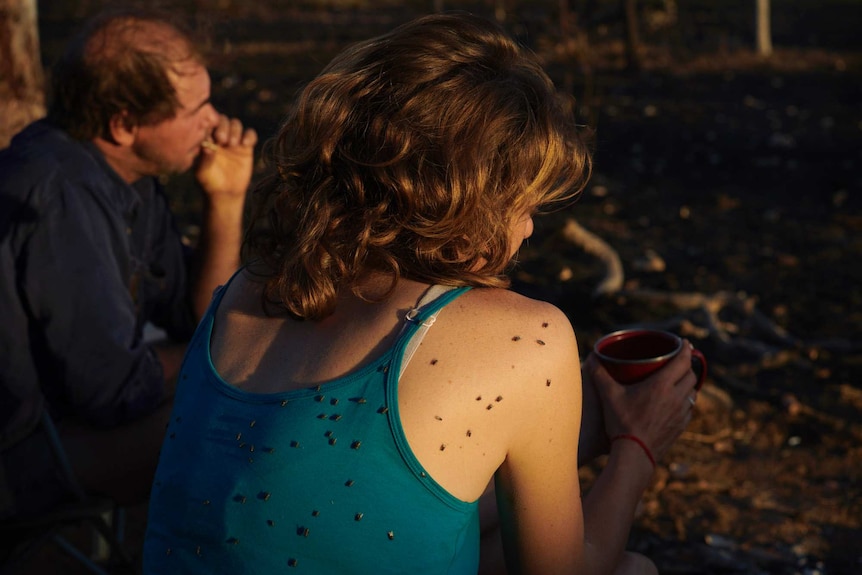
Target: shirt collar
(128, 197)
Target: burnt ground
(732, 177)
(715, 172)
(740, 181)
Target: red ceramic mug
(631, 355)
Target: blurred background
(725, 206)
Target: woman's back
(488, 350)
(303, 438)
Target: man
(89, 253)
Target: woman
(312, 430)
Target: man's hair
(120, 63)
(412, 154)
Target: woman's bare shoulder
(493, 324)
(494, 363)
(490, 309)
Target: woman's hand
(656, 410)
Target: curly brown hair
(120, 63)
(411, 154)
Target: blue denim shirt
(86, 260)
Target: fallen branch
(740, 332)
(590, 243)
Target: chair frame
(105, 517)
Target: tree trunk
(22, 97)
(565, 15)
(764, 29)
(633, 40)
(500, 10)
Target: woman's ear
(122, 129)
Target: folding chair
(29, 532)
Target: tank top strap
(218, 293)
(423, 316)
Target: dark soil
(727, 173)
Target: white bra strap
(433, 293)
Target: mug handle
(698, 365)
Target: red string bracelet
(639, 441)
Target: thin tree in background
(500, 9)
(633, 39)
(22, 97)
(764, 29)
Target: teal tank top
(318, 480)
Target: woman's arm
(537, 486)
(592, 443)
(594, 439)
(539, 517)
(655, 411)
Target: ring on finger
(691, 400)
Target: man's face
(171, 146)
